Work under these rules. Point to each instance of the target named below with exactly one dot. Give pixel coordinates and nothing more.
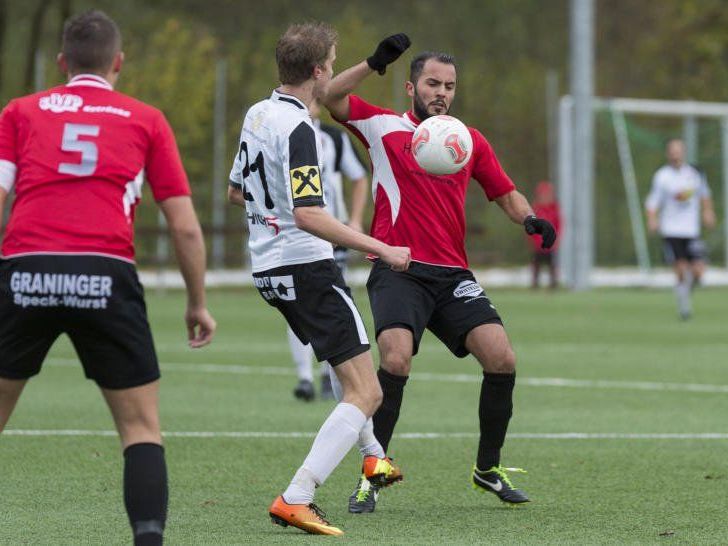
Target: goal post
(616, 110)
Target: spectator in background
(545, 206)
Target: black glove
(543, 227)
(388, 51)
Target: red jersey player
(438, 292)
(76, 157)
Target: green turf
(66, 490)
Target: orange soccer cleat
(381, 472)
(308, 517)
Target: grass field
(606, 365)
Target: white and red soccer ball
(442, 145)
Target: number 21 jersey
(77, 156)
(277, 168)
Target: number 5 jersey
(77, 156)
(277, 168)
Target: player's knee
(504, 362)
(397, 363)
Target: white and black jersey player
(338, 161)
(679, 199)
(277, 178)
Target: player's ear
(62, 64)
(118, 62)
(410, 87)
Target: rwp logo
(306, 182)
(60, 102)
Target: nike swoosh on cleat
(497, 486)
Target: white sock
(334, 440)
(368, 443)
(301, 356)
(682, 292)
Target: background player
(277, 178)
(338, 160)
(438, 292)
(76, 156)
(545, 206)
(678, 195)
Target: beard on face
(420, 108)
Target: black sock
(496, 407)
(386, 416)
(145, 492)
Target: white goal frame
(689, 111)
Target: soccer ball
(442, 145)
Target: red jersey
(77, 156)
(411, 207)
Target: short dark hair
(91, 40)
(674, 139)
(418, 63)
(301, 48)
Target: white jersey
(277, 168)
(337, 157)
(676, 193)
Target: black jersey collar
(283, 97)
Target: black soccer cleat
(496, 481)
(304, 390)
(364, 498)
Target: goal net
(629, 138)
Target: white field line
(440, 377)
(403, 436)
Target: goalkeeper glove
(388, 51)
(542, 227)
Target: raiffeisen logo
(60, 102)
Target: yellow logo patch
(306, 182)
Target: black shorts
(677, 248)
(341, 257)
(97, 301)
(318, 307)
(448, 301)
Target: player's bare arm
(516, 206)
(320, 223)
(709, 219)
(360, 187)
(653, 223)
(3, 198)
(189, 247)
(235, 196)
(336, 98)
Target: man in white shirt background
(679, 199)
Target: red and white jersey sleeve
(412, 207)
(77, 156)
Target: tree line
(504, 48)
